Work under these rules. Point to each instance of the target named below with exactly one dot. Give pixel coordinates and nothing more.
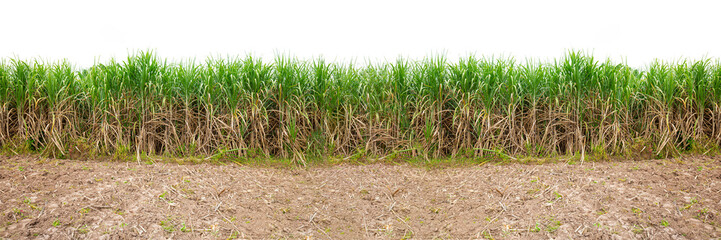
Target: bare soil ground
(61, 199)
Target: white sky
(86, 31)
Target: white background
(88, 31)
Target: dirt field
(62, 199)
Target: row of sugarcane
(294, 108)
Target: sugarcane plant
(475, 107)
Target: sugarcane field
(479, 147)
